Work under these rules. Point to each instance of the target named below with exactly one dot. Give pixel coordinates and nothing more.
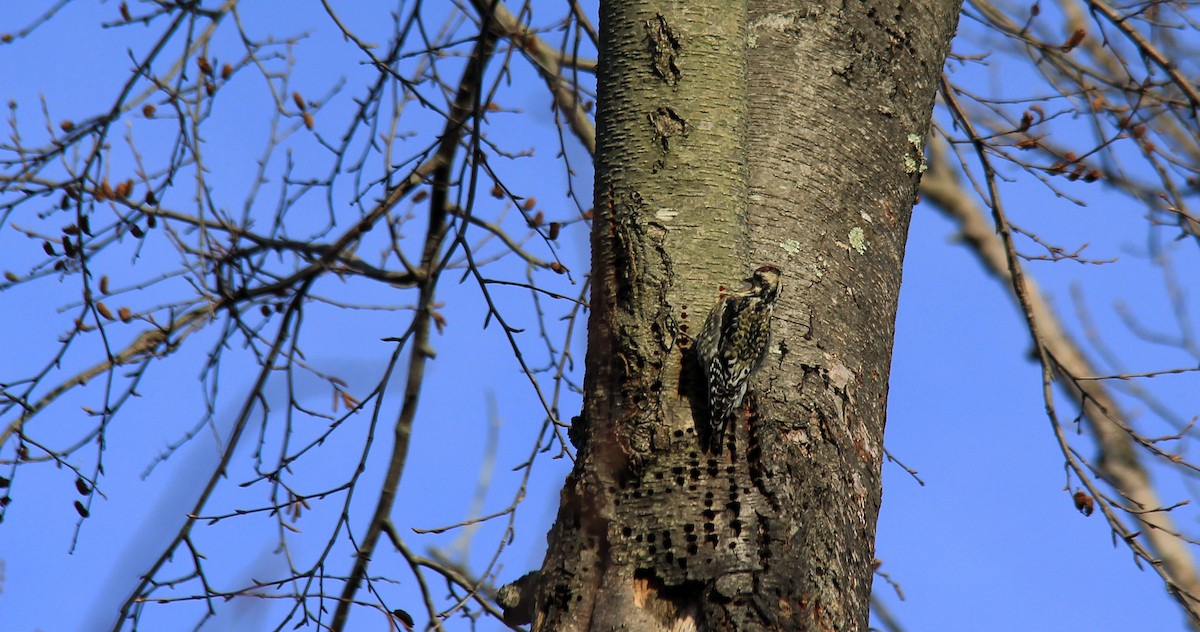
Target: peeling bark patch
(627, 250)
(664, 49)
(646, 331)
(787, 23)
(674, 607)
(667, 124)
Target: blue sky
(990, 542)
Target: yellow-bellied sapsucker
(733, 345)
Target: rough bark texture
(777, 533)
(840, 101)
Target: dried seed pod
(1084, 503)
(1074, 40)
(1026, 121)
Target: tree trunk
(699, 180)
(840, 103)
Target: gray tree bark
(729, 136)
(840, 102)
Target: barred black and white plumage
(733, 345)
